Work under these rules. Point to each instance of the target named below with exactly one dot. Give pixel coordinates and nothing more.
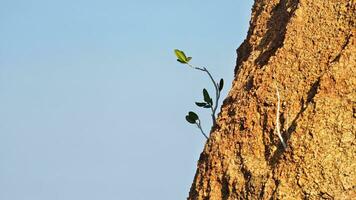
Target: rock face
(305, 49)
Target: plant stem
(199, 126)
(217, 92)
(217, 95)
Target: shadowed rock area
(305, 49)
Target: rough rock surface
(306, 49)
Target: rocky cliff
(299, 55)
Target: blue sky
(92, 101)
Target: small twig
(278, 127)
(217, 92)
(198, 123)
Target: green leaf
(200, 104)
(181, 56)
(206, 95)
(181, 61)
(188, 59)
(193, 116)
(211, 101)
(221, 84)
(189, 119)
(207, 106)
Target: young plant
(207, 102)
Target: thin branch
(278, 127)
(201, 129)
(217, 92)
(217, 95)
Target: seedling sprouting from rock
(207, 102)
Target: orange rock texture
(305, 49)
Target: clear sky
(92, 101)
